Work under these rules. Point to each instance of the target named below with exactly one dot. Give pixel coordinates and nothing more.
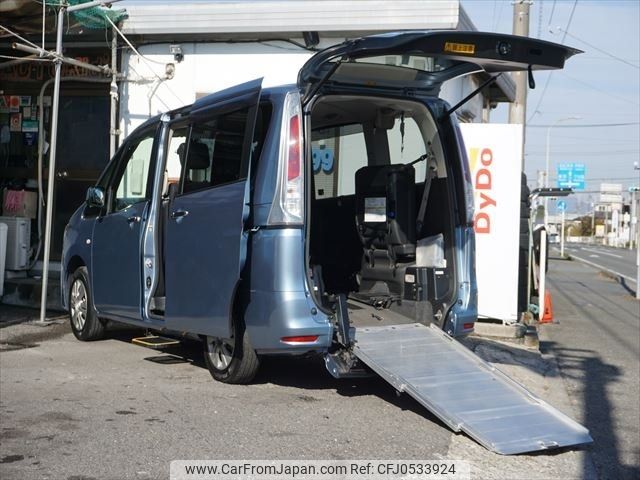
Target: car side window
(176, 148)
(215, 151)
(131, 184)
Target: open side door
(424, 60)
(206, 238)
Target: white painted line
(595, 256)
(613, 272)
(600, 251)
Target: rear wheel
(85, 324)
(231, 360)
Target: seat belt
(431, 174)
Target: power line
(493, 14)
(585, 125)
(615, 57)
(499, 15)
(584, 152)
(604, 92)
(546, 83)
(553, 9)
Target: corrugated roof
(153, 17)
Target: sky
(593, 86)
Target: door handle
(133, 219)
(179, 213)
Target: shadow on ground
(305, 373)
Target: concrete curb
(540, 374)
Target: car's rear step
(155, 341)
(464, 391)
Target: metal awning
(157, 17)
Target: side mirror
(95, 197)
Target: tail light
(468, 182)
(288, 202)
(300, 339)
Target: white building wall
(210, 67)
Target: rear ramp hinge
(343, 364)
(342, 314)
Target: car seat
(386, 211)
(198, 159)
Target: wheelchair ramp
(464, 391)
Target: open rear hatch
(422, 61)
(460, 388)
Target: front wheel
(231, 360)
(85, 324)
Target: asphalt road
(622, 261)
(111, 410)
(597, 344)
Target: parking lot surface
(114, 410)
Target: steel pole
(52, 166)
(543, 273)
(546, 177)
(637, 261)
(633, 226)
(562, 236)
(518, 108)
(636, 204)
(593, 224)
(113, 92)
(606, 221)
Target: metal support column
(113, 92)
(52, 165)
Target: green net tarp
(94, 17)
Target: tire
(85, 324)
(231, 360)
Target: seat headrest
(198, 155)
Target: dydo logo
(483, 188)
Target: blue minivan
(283, 220)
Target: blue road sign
(571, 175)
(561, 205)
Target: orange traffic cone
(547, 316)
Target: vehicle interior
(380, 211)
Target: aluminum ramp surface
(464, 391)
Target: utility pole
(562, 235)
(593, 223)
(518, 109)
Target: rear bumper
(280, 304)
(273, 316)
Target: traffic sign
(561, 205)
(571, 175)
